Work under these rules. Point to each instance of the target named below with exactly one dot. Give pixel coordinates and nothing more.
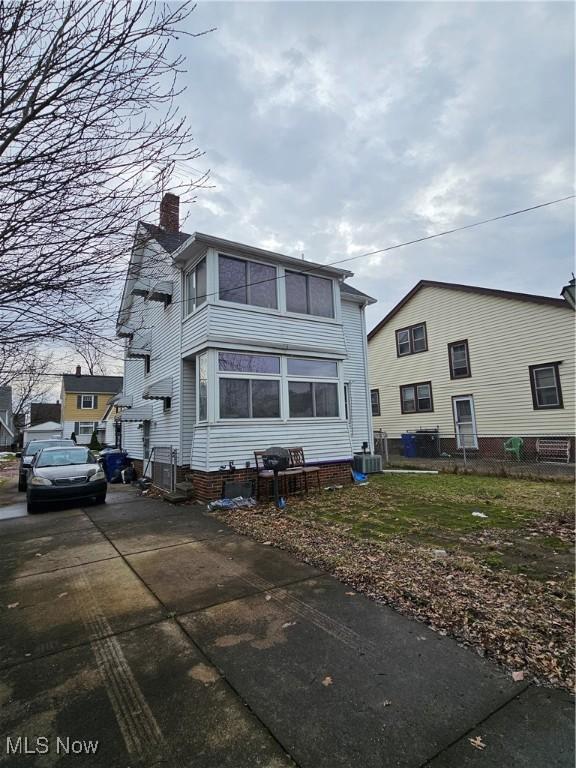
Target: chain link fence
(546, 456)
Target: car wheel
(21, 483)
(101, 498)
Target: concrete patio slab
(147, 697)
(47, 612)
(50, 524)
(41, 554)
(193, 576)
(135, 510)
(344, 682)
(165, 532)
(535, 729)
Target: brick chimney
(170, 213)
(78, 371)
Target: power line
(393, 247)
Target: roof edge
(512, 295)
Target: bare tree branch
(89, 139)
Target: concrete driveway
(166, 638)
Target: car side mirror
(18, 454)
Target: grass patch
(487, 517)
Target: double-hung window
(203, 386)
(249, 386)
(312, 399)
(411, 340)
(247, 282)
(88, 401)
(87, 427)
(545, 384)
(459, 359)
(416, 398)
(196, 287)
(375, 401)
(309, 295)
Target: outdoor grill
(278, 460)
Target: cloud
(335, 129)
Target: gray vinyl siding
(355, 374)
(504, 335)
(323, 440)
(176, 341)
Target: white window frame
(92, 424)
(87, 407)
(192, 272)
(247, 305)
(250, 376)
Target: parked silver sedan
(64, 474)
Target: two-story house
(231, 349)
(84, 401)
(476, 363)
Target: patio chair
(297, 460)
(514, 445)
(267, 475)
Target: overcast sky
(337, 128)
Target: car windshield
(33, 447)
(65, 457)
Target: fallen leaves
(477, 742)
(519, 622)
(13, 605)
(327, 681)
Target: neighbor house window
(203, 387)
(312, 399)
(196, 287)
(411, 340)
(309, 295)
(459, 359)
(146, 364)
(545, 383)
(88, 401)
(247, 282)
(416, 398)
(87, 427)
(375, 401)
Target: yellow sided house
(85, 401)
(456, 368)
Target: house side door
(465, 421)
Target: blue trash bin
(114, 462)
(408, 445)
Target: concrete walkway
(170, 640)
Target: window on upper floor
(309, 295)
(375, 401)
(545, 384)
(416, 398)
(411, 340)
(147, 364)
(459, 359)
(87, 401)
(247, 282)
(195, 287)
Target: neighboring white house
(231, 349)
(7, 429)
(485, 363)
(42, 431)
